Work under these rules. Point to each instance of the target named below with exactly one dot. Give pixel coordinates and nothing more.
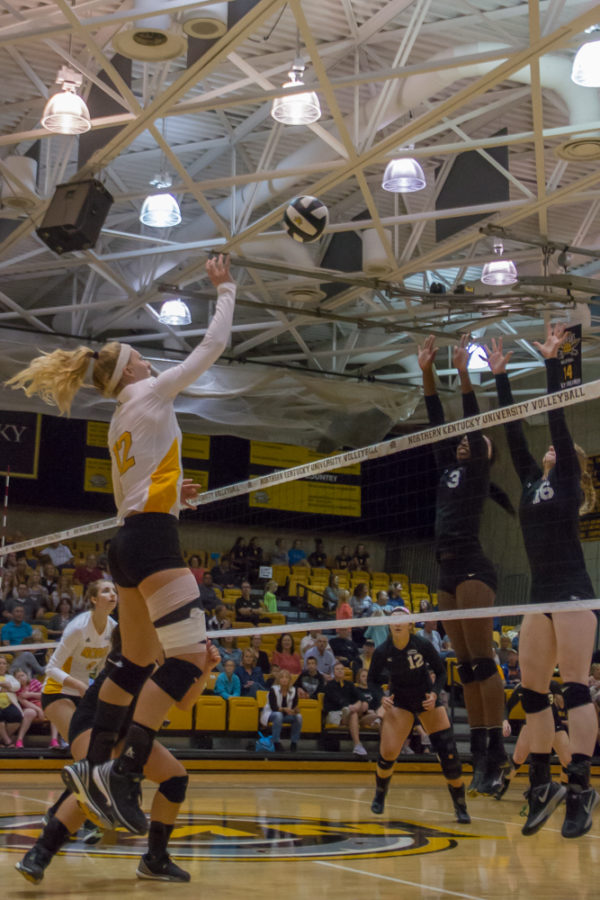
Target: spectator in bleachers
(381, 598)
(344, 610)
(279, 556)
(345, 650)
(88, 572)
(208, 596)
(331, 594)
(10, 711)
(262, 660)
(195, 566)
(324, 656)
(223, 575)
(395, 597)
(18, 631)
(237, 558)
(318, 558)
(430, 633)
(310, 682)
(366, 653)
(273, 676)
(360, 559)
(29, 698)
(228, 684)
(24, 659)
(59, 555)
(254, 559)
(512, 672)
(22, 571)
(342, 706)
(297, 556)
(371, 694)
(250, 675)
(60, 620)
(377, 633)
(269, 600)
(361, 602)
(309, 640)
(285, 655)
(24, 599)
(227, 646)
(220, 619)
(282, 708)
(63, 588)
(38, 592)
(343, 559)
(247, 607)
(505, 648)
(49, 577)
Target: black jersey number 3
(453, 478)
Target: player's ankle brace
(158, 838)
(108, 720)
(53, 836)
(578, 771)
(137, 749)
(539, 769)
(444, 745)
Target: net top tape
(522, 410)
(330, 624)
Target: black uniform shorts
(146, 543)
(412, 701)
(47, 699)
(471, 566)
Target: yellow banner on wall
(198, 476)
(97, 434)
(316, 497)
(195, 446)
(97, 477)
(284, 456)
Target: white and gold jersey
(144, 438)
(81, 654)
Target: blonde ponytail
(587, 484)
(56, 377)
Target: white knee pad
(177, 615)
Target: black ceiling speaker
(75, 216)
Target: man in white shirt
(59, 554)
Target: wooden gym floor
(291, 835)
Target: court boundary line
(415, 884)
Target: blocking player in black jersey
(553, 497)
(560, 744)
(467, 578)
(405, 661)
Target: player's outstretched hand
(217, 269)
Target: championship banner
(20, 444)
(569, 355)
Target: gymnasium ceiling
(311, 360)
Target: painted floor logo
(248, 838)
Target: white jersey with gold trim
(144, 438)
(81, 654)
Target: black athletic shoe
(123, 794)
(378, 802)
(89, 833)
(478, 779)
(78, 779)
(543, 800)
(495, 772)
(163, 869)
(580, 805)
(34, 863)
(460, 804)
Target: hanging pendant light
(296, 109)
(66, 112)
(160, 210)
(174, 312)
(403, 176)
(586, 65)
(499, 271)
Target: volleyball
(305, 219)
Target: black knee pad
(444, 745)
(533, 701)
(129, 676)
(484, 668)
(465, 672)
(173, 789)
(575, 694)
(176, 676)
(385, 763)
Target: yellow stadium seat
(281, 574)
(311, 715)
(230, 595)
(210, 714)
(39, 632)
(419, 588)
(322, 573)
(261, 698)
(243, 714)
(276, 618)
(178, 720)
(243, 642)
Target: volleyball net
(382, 495)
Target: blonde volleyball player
(158, 593)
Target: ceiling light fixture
(174, 312)
(586, 65)
(160, 210)
(499, 271)
(296, 109)
(66, 112)
(403, 176)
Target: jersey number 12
(121, 449)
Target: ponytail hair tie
(95, 354)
